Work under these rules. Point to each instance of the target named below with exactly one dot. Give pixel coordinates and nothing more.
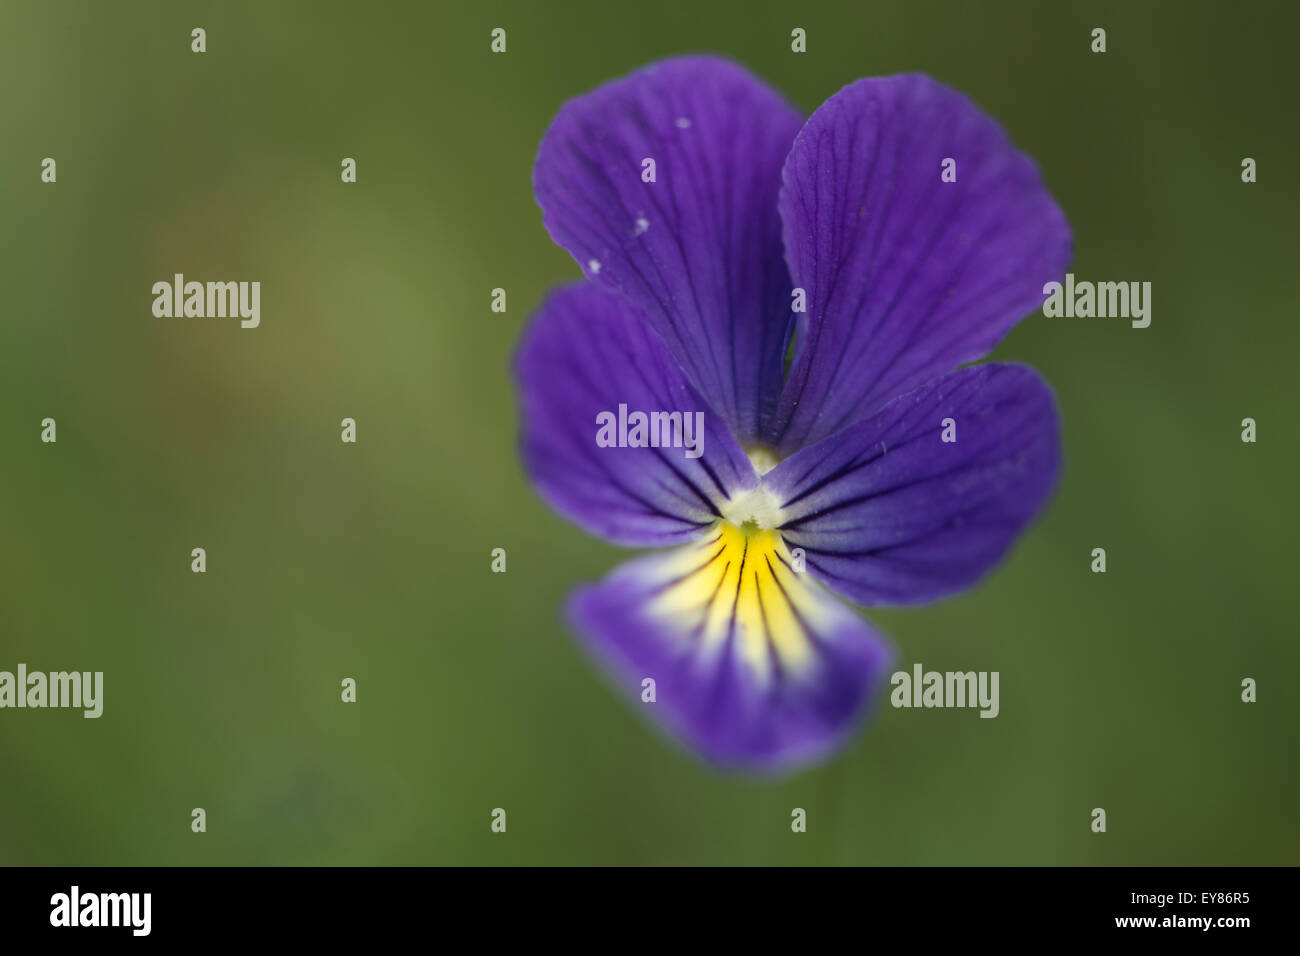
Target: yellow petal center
(737, 592)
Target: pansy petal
(754, 666)
(888, 512)
(699, 248)
(907, 276)
(585, 354)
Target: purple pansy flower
(831, 475)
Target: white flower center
(757, 508)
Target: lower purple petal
(754, 665)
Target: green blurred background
(328, 560)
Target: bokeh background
(328, 560)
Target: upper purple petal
(907, 276)
(699, 249)
(890, 513)
(585, 352)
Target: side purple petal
(907, 276)
(698, 249)
(890, 513)
(586, 352)
(754, 666)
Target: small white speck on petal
(642, 224)
(593, 266)
(683, 123)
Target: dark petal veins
(755, 666)
(889, 513)
(699, 249)
(585, 352)
(907, 276)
